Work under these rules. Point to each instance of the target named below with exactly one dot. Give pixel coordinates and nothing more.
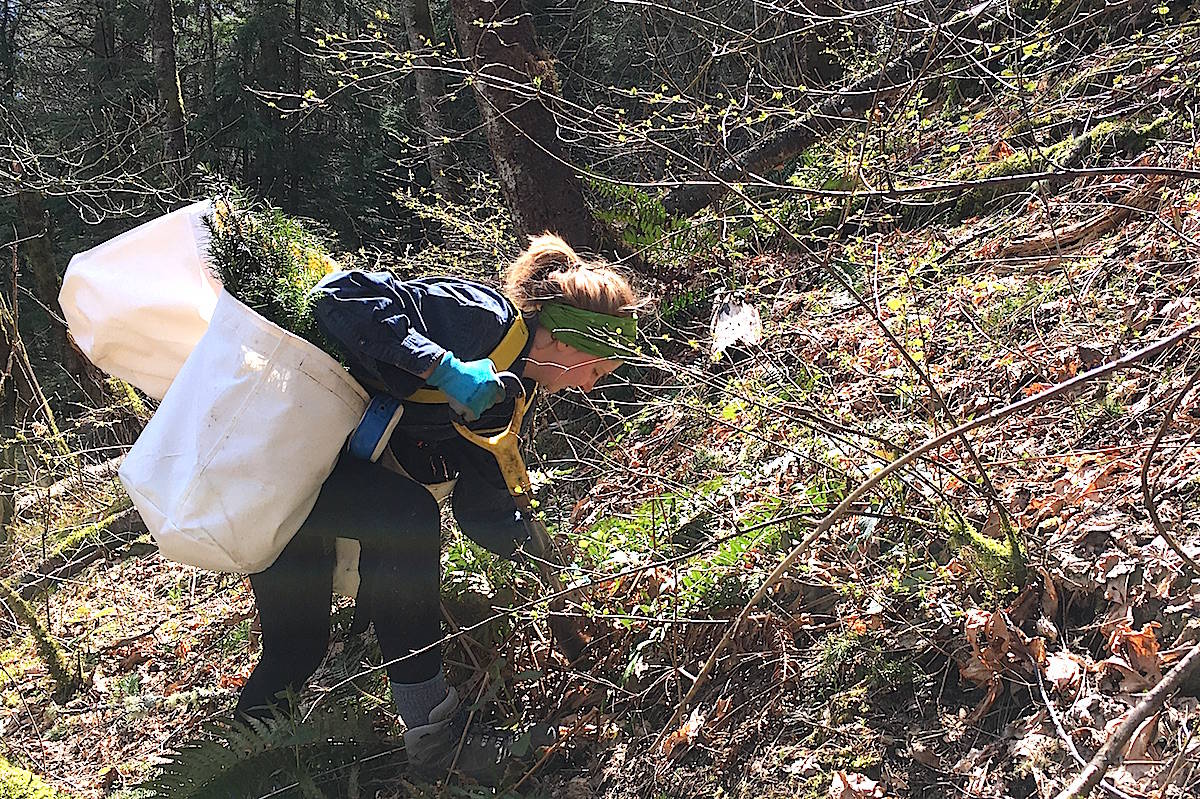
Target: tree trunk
(34, 233)
(298, 175)
(8, 422)
(170, 95)
(8, 55)
(104, 48)
(269, 152)
(22, 396)
(430, 88)
(33, 227)
(515, 83)
(210, 55)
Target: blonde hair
(549, 270)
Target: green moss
(17, 783)
(126, 394)
(1104, 137)
(1003, 561)
(91, 532)
(66, 679)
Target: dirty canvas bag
(137, 304)
(232, 461)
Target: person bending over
(427, 350)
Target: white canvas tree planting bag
(137, 304)
(232, 461)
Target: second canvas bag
(232, 461)
(137, 304)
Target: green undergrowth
(270, 262)
(1102, 140)
(857, 662)
(334, 753)
(18, 783)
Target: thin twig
(1065, 736)
(558, 744)
(1148, 495)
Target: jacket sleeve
(485, 511)
(376, 321)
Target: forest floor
(949, 636)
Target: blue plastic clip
(370, 438)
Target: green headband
(599, 334)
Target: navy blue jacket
(390, 331)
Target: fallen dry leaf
(232, 681)
(849, 785)
(994, 691)
(1139, 648)
(1141, 758)
(1049, 595)
(925, 756)
(1143, 737)
(1126, 677)
(996, 646)
(686, 734)
(1063, 672)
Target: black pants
(397, 522)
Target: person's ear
(561, 346)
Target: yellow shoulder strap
(504, 356)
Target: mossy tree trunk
(22, 396)
(8, 425)
(66, 679)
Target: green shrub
(17, 783)
(270, 262)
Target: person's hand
(471, 386)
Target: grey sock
(415, 700)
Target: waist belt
(503, 356)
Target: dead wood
(1110, 753)
(776, 150)
(98, 472)
(1148, 494)
(1080, 234)
(65, 678)
(120, 530)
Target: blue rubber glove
(471, 386)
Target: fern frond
(278, 756)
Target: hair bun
(549, 269)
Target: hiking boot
(485, 754)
